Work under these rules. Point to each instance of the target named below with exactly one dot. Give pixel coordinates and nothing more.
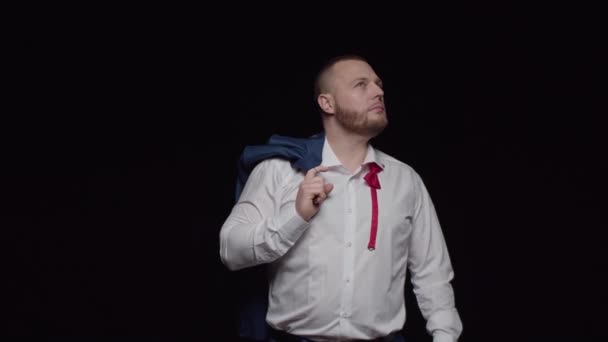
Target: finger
(312, 191)
(321, 196)
(315, 170)
(313, 188)
(328, 188)
(317, 180)
(318, 200)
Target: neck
(350, 148)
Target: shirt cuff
(292, 225)
(441, 336)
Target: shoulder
(275, 168)
(266, 178)
(273, 163)
(404, 174)
(399, 170)
(395, 164)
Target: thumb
(328, 188)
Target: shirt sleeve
(431, 270)
(263, 224)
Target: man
(338, 238)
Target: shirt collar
(331, 160)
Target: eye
(360, 84)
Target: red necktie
(372, 180)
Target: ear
(326, 102)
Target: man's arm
(431, 270)
(261, 226)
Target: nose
(377, 91)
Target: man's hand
(312, 192)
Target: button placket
(349, 255)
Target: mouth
(377, 108)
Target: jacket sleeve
(263, 225)
(431, 270)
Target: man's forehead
(353, 69)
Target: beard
(360, 122)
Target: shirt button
(347, 281)
(348, 244)
(343, 313)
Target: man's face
(359, 98)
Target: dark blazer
(304, 154)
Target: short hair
(327, 65)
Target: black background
(122, 130)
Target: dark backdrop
(123, 132)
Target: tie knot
(372, 176)
(374, 168)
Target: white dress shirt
(325, 284)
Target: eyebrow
(378, 80)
